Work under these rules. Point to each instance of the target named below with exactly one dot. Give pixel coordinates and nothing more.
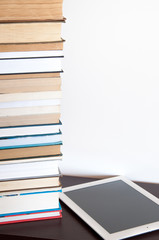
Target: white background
(110, 107)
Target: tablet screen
(116, 206)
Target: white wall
(110, 107)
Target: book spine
(31, 219)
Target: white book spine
(50, 53)
(29, 202)
(29, 216)
(29, 130)
(28, 170)
(19, 104)
(30, 65)
(30, 140)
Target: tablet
(116, 208)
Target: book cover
(24, 152)
(30, 119)
(37, 10)
(30, 65)
(25, 85)
(46, 46)
(29, 183)
(25, 130)
(30, 32)
(29, 170)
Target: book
(45, 46)
(29, 75)
(37, 10)
(30, 65)
(29, 201)
(27, 96)
(31, 217)
(32, 159)
(30, 32)
(30, 141)
(29, 170)
(24, 152)
(31, 54)
(31, 103)
(19, 111)
(31, 119)
(26, 85)
(31, 183)
(29, 130)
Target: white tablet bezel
(97, 227)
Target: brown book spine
(28, 75)
(29, 120)
(24, 184)
(36, 10)
(31, 46)
(30, 32)
(30, 152)
(30, 85)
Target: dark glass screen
(116, 206)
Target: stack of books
(30, 92)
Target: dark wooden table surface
(70, 226)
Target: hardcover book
(30, 84)
(30, 32)
(45, 46)
(29, 183)
(34, 151)
(30, 119)
(37, 10)
(31, 217)
(25, 170)
(30, 65)
(29, 201)
(29, 130)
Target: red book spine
(30, 220)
